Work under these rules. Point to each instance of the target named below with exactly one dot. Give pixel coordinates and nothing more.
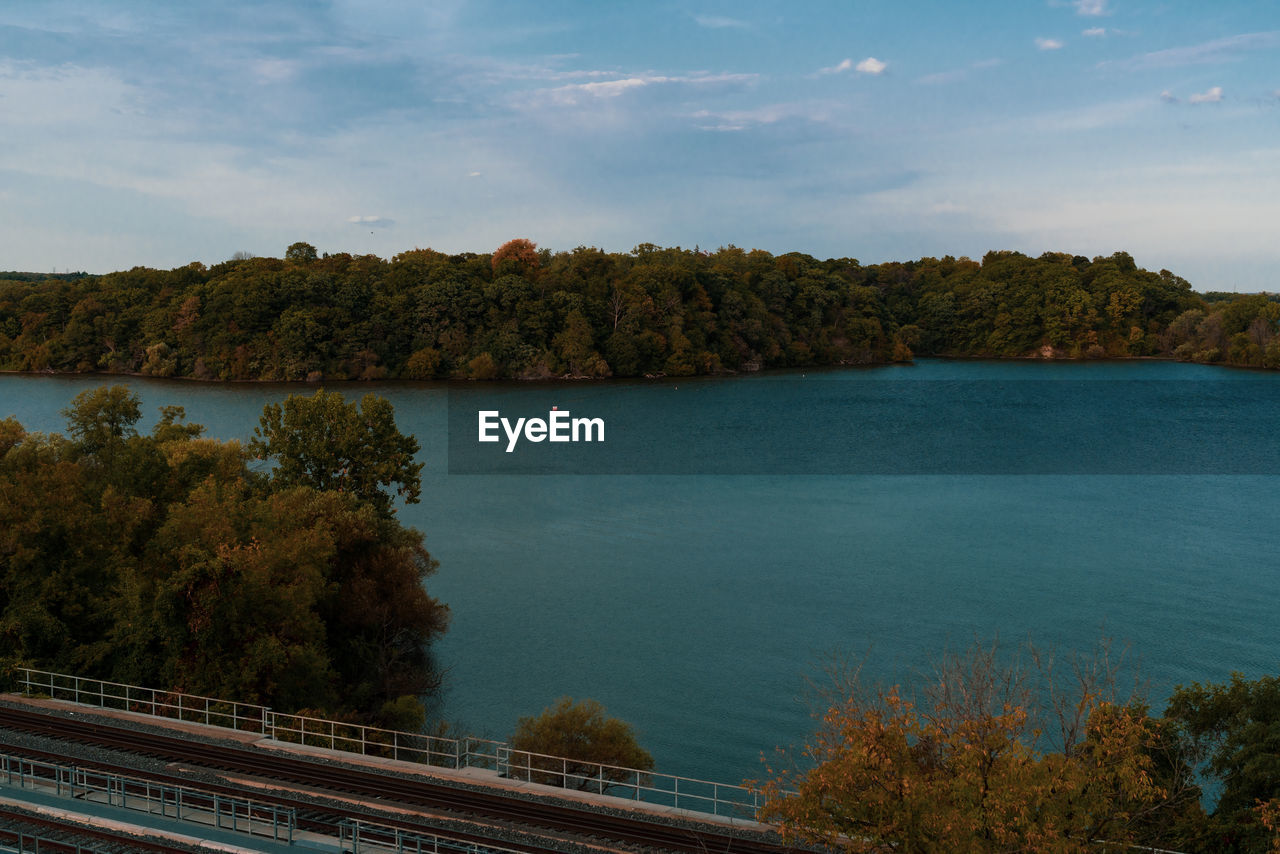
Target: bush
(590, 751)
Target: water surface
(694, 606)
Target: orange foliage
(524, 254)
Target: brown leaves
(961, 769)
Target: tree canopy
(525, 312)
(163, 559)
(986, 759)
(1235, 728)
(324, 442)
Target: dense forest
(170, 559)
(527, 313)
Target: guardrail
(134, 793)
(687, 793)
(193, 708)
(365, 837)
(33, 843)
(725, 800)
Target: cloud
(1094, 32)
(955, 74)
(372, 221)
(1168, 97)
(719, 22)
(1048, 44)
(870, 65)
(739, 120)
(598, 90)
(1213, 96)
(1090, 8)
(1217, 50)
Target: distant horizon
(159, 134)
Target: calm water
(694, 606)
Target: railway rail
(593, 825)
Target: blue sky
(158, 133)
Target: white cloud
(719, 22)
(870, 65)
(378, 221)
(474, 174)
(1094, 32)
(1217, 50)
(576, 93)
(944, 76)
(1168, 97)
(1048, 44)
(275, 70)
(738, 120)
(1091, 8)
(1213, 96)
(839, 68)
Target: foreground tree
(963, 768)
(164, 560)
(1236, 730)
(600, 751)
(328, 444)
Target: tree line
(528, 313)
(170, 559)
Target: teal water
(695, 606)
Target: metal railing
(369, 741)
(685, 793)
(364, 837)
(134, 793)
(725, 800)
(192, 708)
(21, 842)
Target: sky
(154, 133)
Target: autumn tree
(519, 256)
(964, 767)
(574, 744)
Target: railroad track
(319, 814)
(592, 827)
(56, 836)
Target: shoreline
(451, 381)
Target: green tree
(101, 417)
(574, 744)
(300, 253)
(1236, 728)
(328, 444)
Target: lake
(695, 570)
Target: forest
(528, 313)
